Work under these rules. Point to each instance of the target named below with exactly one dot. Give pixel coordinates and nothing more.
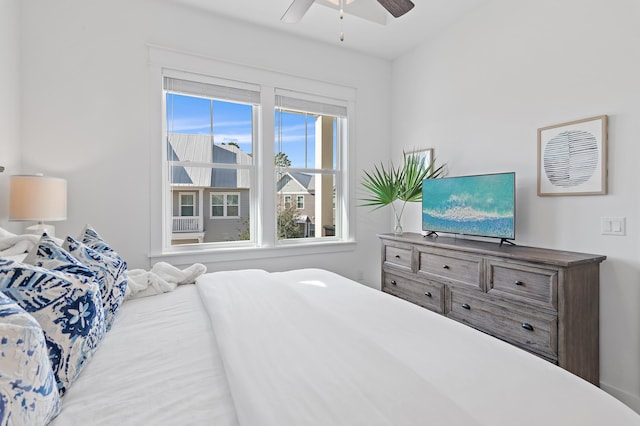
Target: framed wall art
(427, 154)
(572, 158)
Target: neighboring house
(298, 190)
(208, 204)
(212, 205)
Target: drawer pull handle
(466, 306)
(518, 282)
(397, 256)
(527, 326)
(393, 282)
(445, 266)
(428, 294)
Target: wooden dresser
(544, 301)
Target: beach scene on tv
(480, 205)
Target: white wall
(479, 92)
(9, 102)
(85, 110)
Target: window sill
(232, 254)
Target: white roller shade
(196, 88)
(309, 103)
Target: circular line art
(570, 158)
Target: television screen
(480, 205)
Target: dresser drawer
(453, 267)
(523, 282)
(531, 330)
(398, 256)
(424, 293)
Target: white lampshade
(37, 198)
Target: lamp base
(40, 229)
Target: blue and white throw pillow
(92, 239)
(28, 391)
(67, 307)
(48, 254)
(110, 272)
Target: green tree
(244, 233)
(287, 223)
(282, 160)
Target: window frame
(298, 197)
(164, 62)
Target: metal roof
(201, 149)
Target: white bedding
(158, 365)
(309, 347)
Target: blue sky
(232, 123)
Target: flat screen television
(479, 205)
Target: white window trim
(265, 244)
(224, 205)
(298, 202)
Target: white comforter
(311, 348)
(159, 365)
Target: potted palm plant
(398, 185)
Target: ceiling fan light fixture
(395, 8)
(337, 2)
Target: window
(187, 204)
(209, 145)
(232, 206)
(309, 135)
(267, 160)
(225, 204)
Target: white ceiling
(321, 23)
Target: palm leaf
(415, 171)
(385, 185)
(382, 186)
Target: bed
(310, 347)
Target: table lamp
(37, 198)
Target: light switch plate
(613, 225)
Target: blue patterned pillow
(92, 239)
(28, 392)
(67, 307)
(48, 254)
(110, 272)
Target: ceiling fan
(298, 8)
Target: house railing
(187, 224)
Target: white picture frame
(572, 158)
(427, 154)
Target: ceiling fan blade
(296, 11)
(397, 7)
